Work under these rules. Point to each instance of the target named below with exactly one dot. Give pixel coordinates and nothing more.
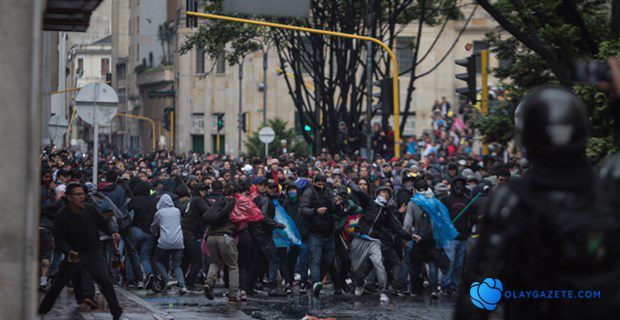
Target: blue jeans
(171, 257)
(302, 264)
(143, 242)
(405, 267)
(456, 250)
(264, 251)
(322, 249)
(433, 275)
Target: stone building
(196, 88)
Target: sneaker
(434, 295)
(303, 288)
(140, 285)
(243, 296)
(182, 290)
(384, 298)
(168, 285)
(233, 299)
(359, 291)
(148, 284)
(288, 290)
(316, 288)
(89, 302)
(208, 292)
(371, 288)
(347, 288)
(276, 292)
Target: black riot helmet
(552, 123)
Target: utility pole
(484, 55)
(240, 103)
(265, 57)
(369, 65)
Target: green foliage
(140, 68)
(498, 126)
(553, 23)
(256, 148)
(601, 143)
(333, 64)
(214, 36)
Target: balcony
(68, 15)
(157, 82)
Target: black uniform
(546, 232)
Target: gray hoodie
(167, 221)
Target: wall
(20, 121)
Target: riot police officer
(543, 232)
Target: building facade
(182, 93)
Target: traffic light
(469, 77)
(385, 96)
(243, 122)
(307, 128)
(220, 121)
(191, 21)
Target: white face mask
(381, 200)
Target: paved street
(144, 305)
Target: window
(479, 46)
(220, 66)
(121, 74)
(150, 59)
(105, 67)
(121, 123)
(138, 24)
(122, 96)
(200, 60)
(138, 52)
(404, 53)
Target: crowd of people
(161, 221)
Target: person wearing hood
(429, 221)
(456, 250)
(452, 172)
(377, 217)
(182, 198)
(262, 237)
(291, 206)
(167, 222)
(141, 240)
(406, 191)
(318, 209)
(346, 210)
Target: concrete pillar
(46, 86)
(20, 120)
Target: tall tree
(334, 66)
(165, 34)
(546, 39)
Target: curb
(156, 313)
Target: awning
(68, 15)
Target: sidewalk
(133, 307)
